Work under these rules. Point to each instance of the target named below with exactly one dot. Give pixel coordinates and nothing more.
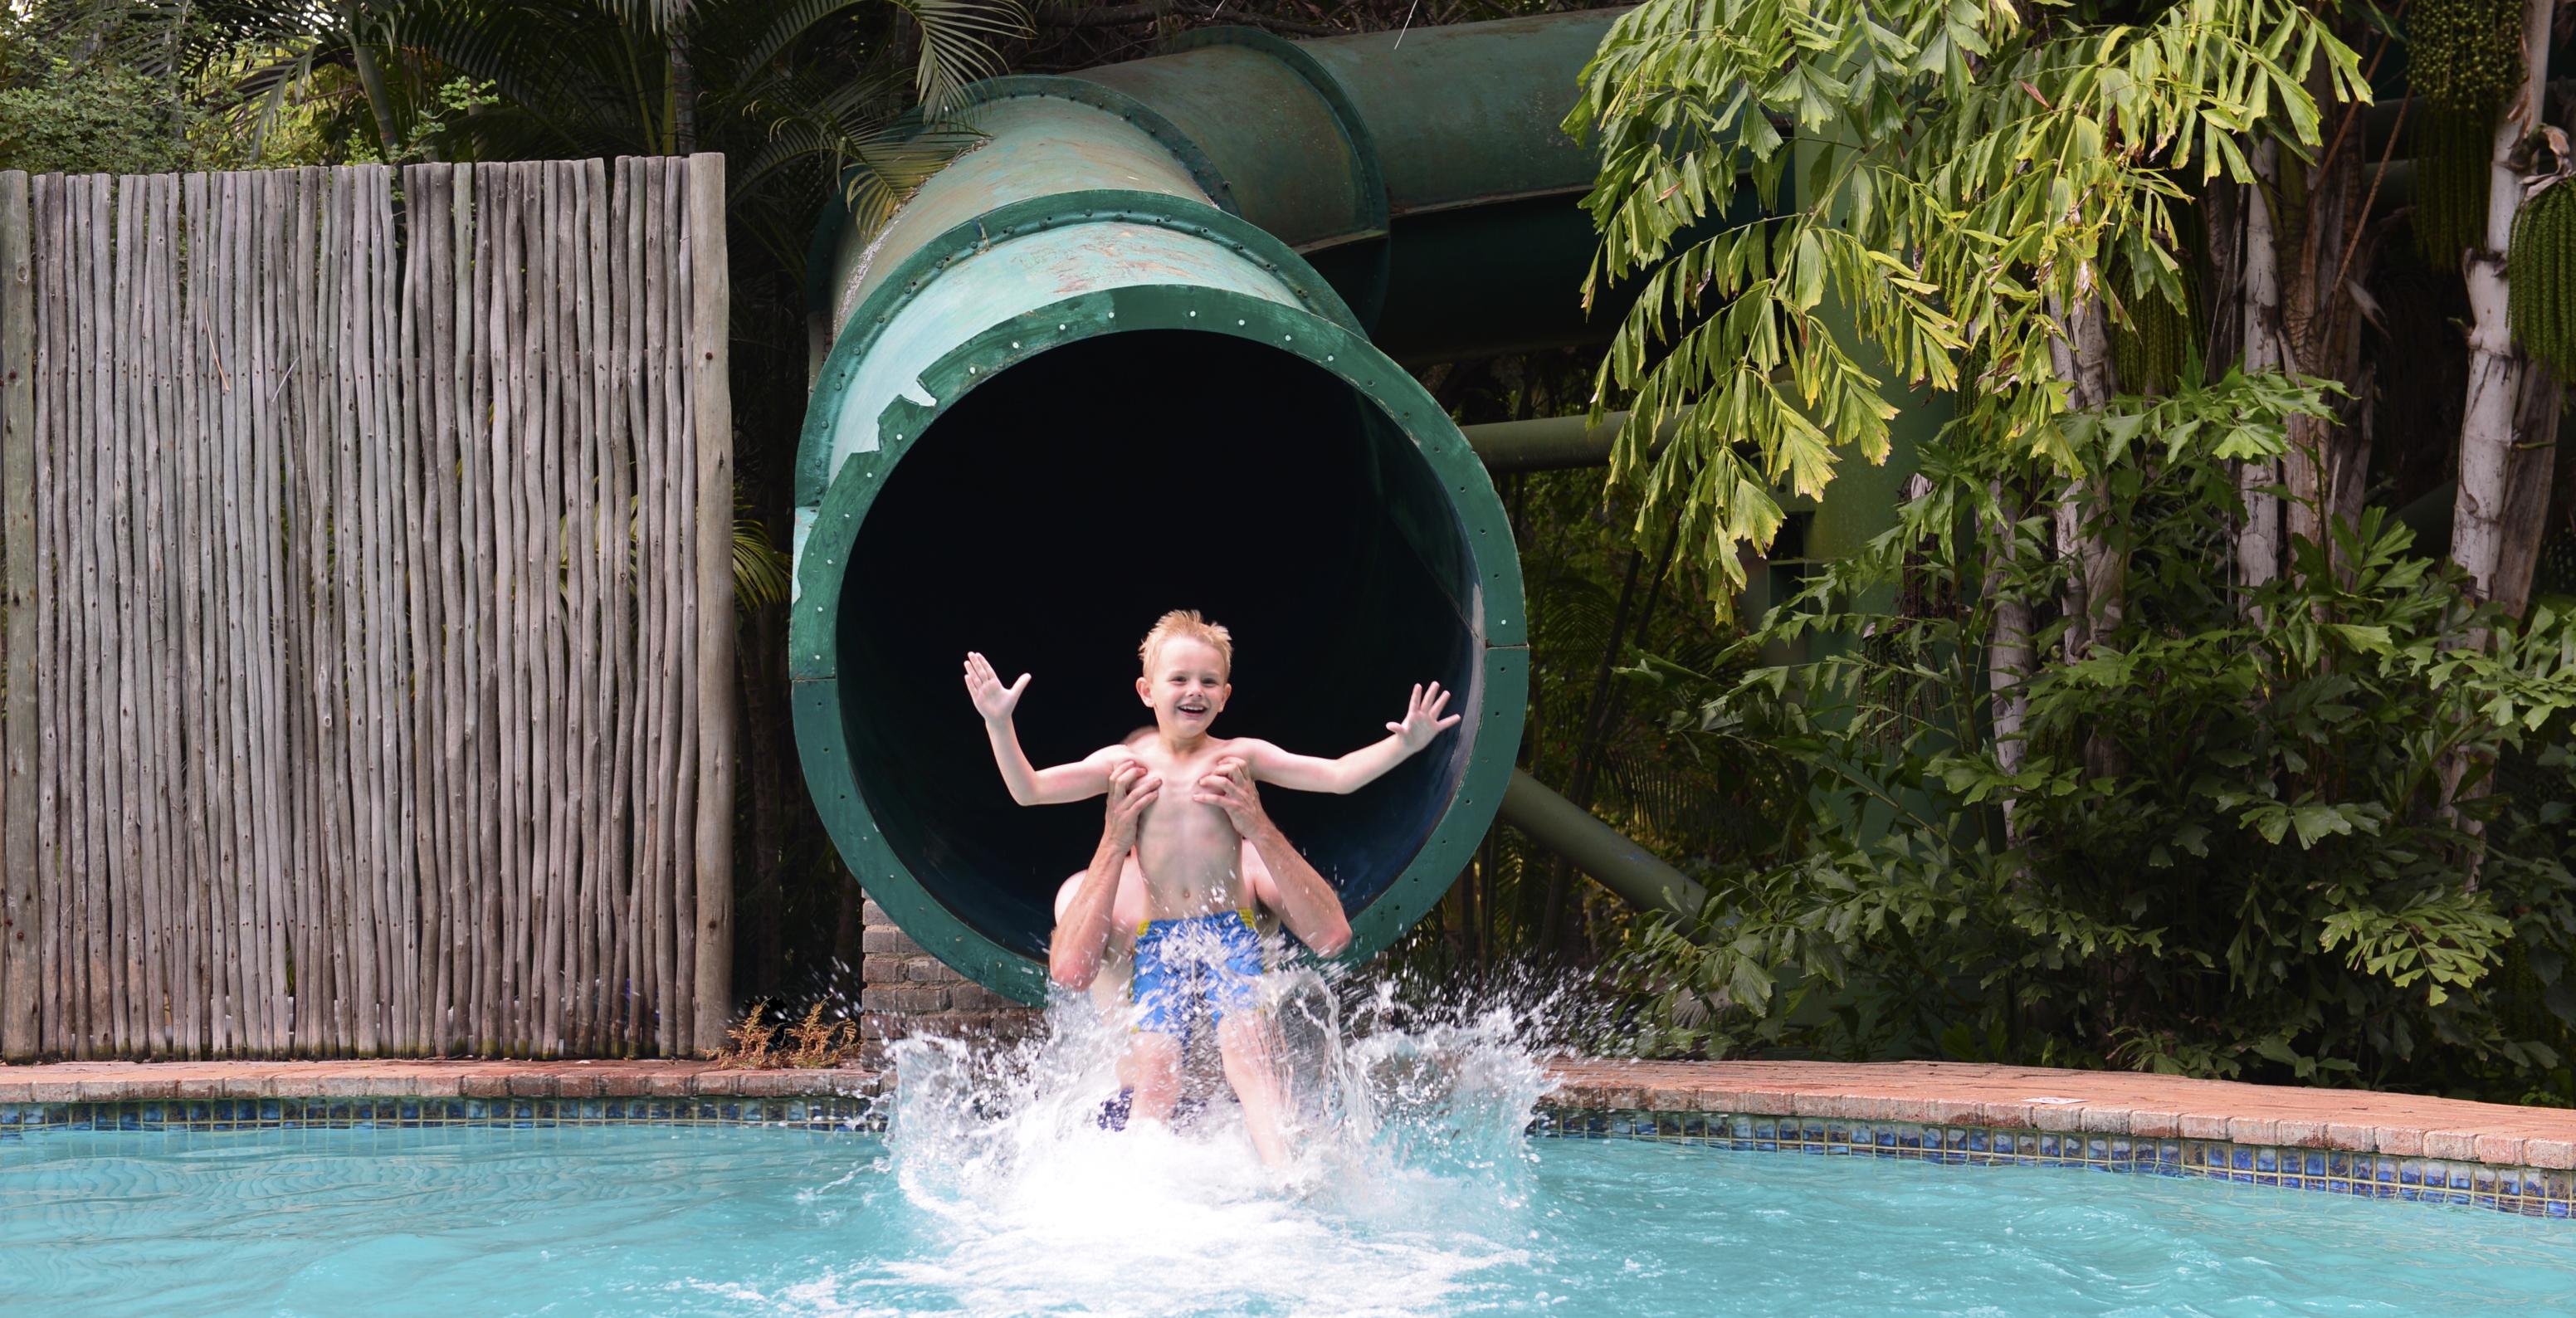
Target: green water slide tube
(1142, 349)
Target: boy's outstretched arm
(1081, 937)
(1088, 776)
(1305, 902)
(1308, 773)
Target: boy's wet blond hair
(1187, 622)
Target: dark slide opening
(1048, 517)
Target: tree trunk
(684, 93)
(2328, 458)
(179, 84)
(2222, 217)
(2008, 654)
(2097, 584)
(371, 79)
(2528, 481)
(2258, 531)
(2491, 422)
(2096, 591)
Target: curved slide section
(1139, 350)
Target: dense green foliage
(2227, 848)
(58, 116)
(129, 89)
(1959, 176)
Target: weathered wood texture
(367, 564)
(19, 1028)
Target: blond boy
(1196, 948)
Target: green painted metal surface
(1140, 350)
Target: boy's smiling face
(1186, 687)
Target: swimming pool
(752, 1219)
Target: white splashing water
(1409, 1172)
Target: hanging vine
(2464, 61)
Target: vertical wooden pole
(60, 265)
(711, 413)
(105, 826)
(145, 584)
(547, 239)
(58, 762)
(652, 802)
(593, 518)
(423, 841)
(679, 575)
(314, 961)
(246, 529)
(453, 320)
(197, 612)
(52, 642)
(273, 356)
(227, 423)
(20, 1037)
(284, 779)
(626, 958)
(272, 209)
(124, 457)
(482, 505)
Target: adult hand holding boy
(1304, 901)
(1081, 936)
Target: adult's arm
(1306, 903)
(1081, 937)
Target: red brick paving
(2102, 1102)
(91, 1082)
(1942, 1093)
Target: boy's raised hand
(1422, 720)
(992, 699)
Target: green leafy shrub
(2266, 843)
(96, 117)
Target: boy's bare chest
(1180, 773)
(1178, 832)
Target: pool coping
(1935, 1093)
(2394, 1146)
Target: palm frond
(790, 22)
(957, 47)
(651, 15)
(759, 568)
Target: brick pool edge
(2393, 1146)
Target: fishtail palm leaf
(594, 78)
(957, 48)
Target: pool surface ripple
(753, 1220)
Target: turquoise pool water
(751, 1220)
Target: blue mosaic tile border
(19, 1120)
(2529, 1191)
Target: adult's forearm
(1308, 905)
(1081, 938)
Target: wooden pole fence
(367, 548)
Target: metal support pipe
(1553, 443)
(1599, 850)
